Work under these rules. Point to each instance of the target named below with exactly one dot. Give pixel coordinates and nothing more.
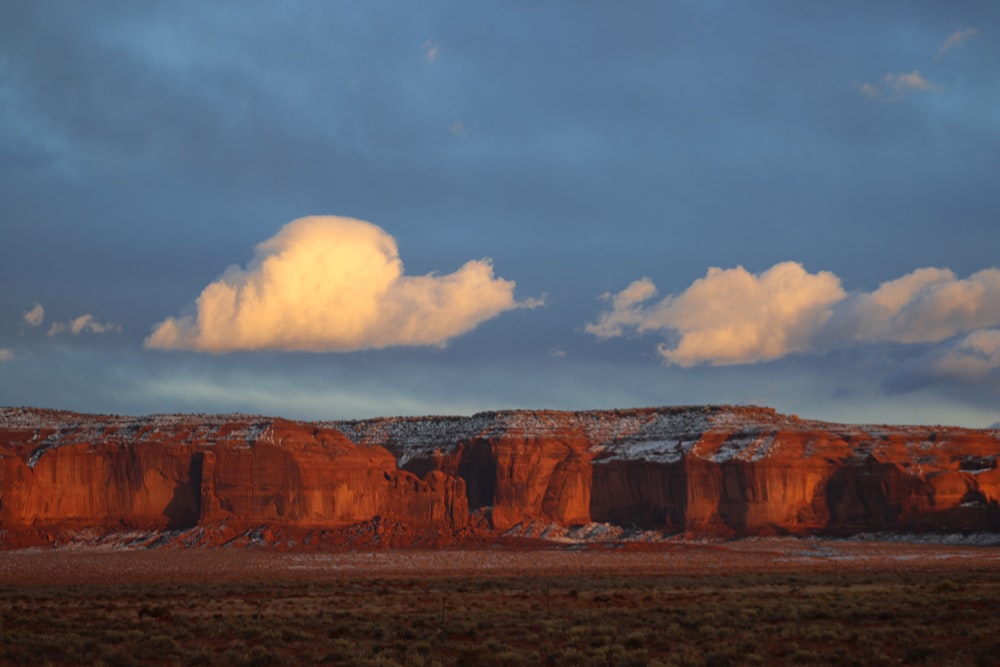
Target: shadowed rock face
(705, 470)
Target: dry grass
(941, 614)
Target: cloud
(928, 305)
(35, 316)
(730, 316)
(956, 39)
(326, 284)
(627, 311)
(6, 354)
(972, 360)
(458, 130)
(431, 50)
(83, 324)
(734, 317)
(894, 87)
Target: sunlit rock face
(720, 471)
(724, 471)
(65, 472)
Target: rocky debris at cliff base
(977, 539)
(534, 535)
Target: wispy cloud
(83, 324)
(895, 87)
(956, 39)
(972, 360)
(732, 316)
(35, 316)
(6, 354)
(327, 283)
(458, 130)
(431, 50)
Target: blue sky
(345, 209)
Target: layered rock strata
(716, 470)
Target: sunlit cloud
(83, 324)
(955, 39)
(35, 316)
(928, 305)
(732, 316)
(627, 311)
(895, 87)
(325, 284)
(6, 354)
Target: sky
(325, 210)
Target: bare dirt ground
(755, 602)
(792, 556)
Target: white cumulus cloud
(928, 305)
(732, 316)
(326, 283)
(83, 324)
(35, 316)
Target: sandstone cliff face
(725, 471)
(707, 470)
(62, 471)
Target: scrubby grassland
(903, 611)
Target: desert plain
(784, 601)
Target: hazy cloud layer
(734, 317)
(972, 360)
(327, 283)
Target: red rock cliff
(63, 471)
(708, 470)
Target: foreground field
(741, 603)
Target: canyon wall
(716, 470)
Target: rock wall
(715, 470)
(723, 471)
(61, 472)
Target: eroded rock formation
(723, 471)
